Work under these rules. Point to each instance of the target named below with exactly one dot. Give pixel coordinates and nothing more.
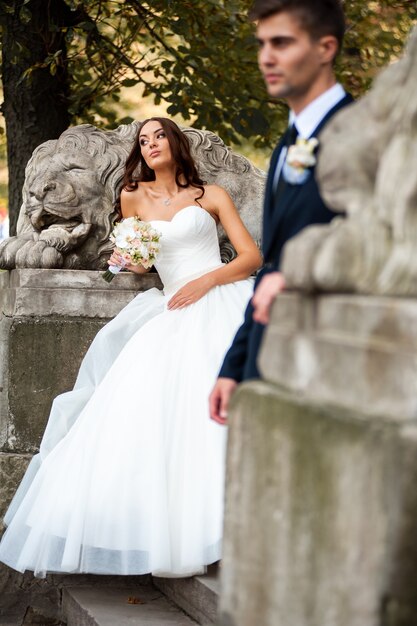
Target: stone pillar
(321, 508)
(48, 319)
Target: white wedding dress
(129, 478)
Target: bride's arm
(217, 201)
(248, 256)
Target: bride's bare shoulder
(216, 194)
(217, 197)
(130, 200)
(140, 191)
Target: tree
(34, 110)
(66, 61)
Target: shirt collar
(310, 117)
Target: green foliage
(199, 56)
(376, 34)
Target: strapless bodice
(189, 247)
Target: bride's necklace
(165, 201)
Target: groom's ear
(328, 49)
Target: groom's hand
(219, 399)
(269, 287)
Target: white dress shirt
(309, 118)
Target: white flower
(144, 252)
(123, 233)
(301, 155)
(125, 227)
(121, 242)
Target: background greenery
(109, 62)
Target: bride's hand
(117, 259)
(191, 292)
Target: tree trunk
(35, 108)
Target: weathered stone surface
(72, 184)
(320, 517)
(44, 358)
(351, 351)
(367, 156)
(5, 324)
(110, 607)
(24, 597)
(30, 292)
(196, 595)
(79, 279)
(12, 468)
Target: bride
(129, 478)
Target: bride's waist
(171, 286)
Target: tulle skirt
(129, 478)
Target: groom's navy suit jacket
(298, 206)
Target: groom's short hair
(317, 17)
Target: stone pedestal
(321, 509)
(48, 320)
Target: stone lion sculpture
(72, 183)
(367, 169)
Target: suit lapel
(342, 103)
(291, 192)
(286, 200)
(269, 193)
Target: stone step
(197, 596)
(142, 605)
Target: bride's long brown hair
(181, 153)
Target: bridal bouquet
(137, 243)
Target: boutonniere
(300, 158)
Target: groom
(298, 43)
